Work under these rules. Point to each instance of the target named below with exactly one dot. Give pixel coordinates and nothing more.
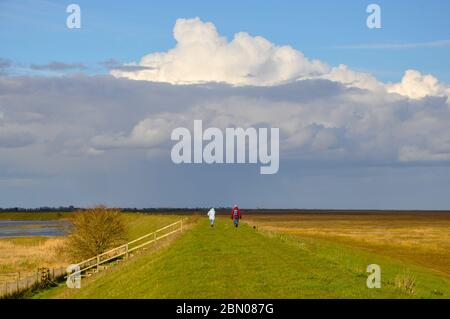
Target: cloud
(4, 65)
(323, 112)
(147, 133)
(15, 139)
(415, 154)
(319, 119)
(94, 136)
(416, 86)
(114, 65)
(202, 55)
(13, 135)
(57, 66)
(343, 74)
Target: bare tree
(96, 230)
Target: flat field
(418, 238)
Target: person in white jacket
(212, 216)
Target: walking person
(212, 216)
(236, 215)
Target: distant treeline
(39, 209)
(219, 210)
(48, 209)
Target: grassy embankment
(26, 254)
(224, 262)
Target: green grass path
(225, 262)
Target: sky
(35, 31)
(86, 114)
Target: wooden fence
(18, 282)
(24, 281)
(126, 249)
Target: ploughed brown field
(422, 238)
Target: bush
(406, 282)
(95, 231)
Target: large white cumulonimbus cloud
(202, 55)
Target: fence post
(98, 261)
(181, 225)
(126, 247)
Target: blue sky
(371, 134)
(35, 31)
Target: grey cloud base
(87, 140)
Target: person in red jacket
(236, 215)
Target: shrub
(406, 282)
(96, 230)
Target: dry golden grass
(25, 255)
(422, 238)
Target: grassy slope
(140, 224)
(244, 263)
(26, 254)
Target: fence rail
(25, 281)
(126, 249)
